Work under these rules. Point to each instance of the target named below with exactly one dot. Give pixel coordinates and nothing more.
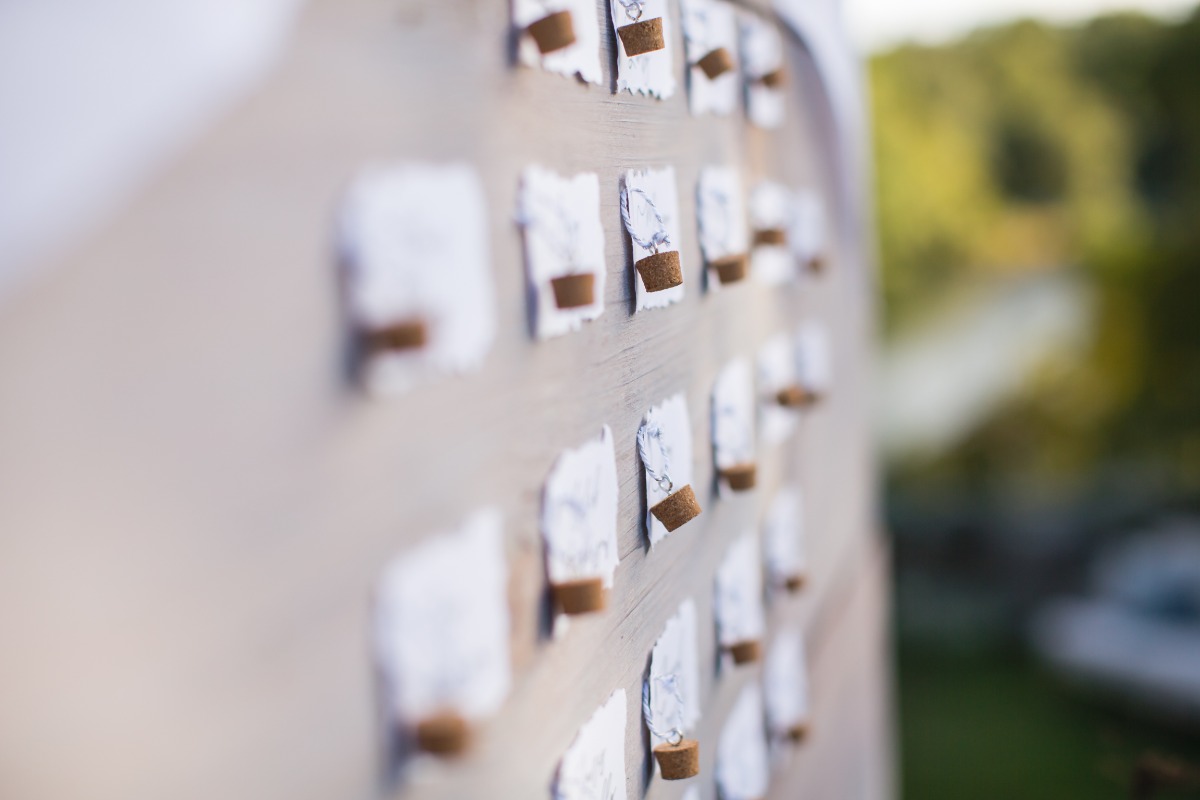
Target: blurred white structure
(1138, 637)
(938, 384)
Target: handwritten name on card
(564, 249)
(442, 624)
(413, 240)
(593, 768)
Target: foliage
(1029, 147)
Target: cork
(794, 583)
(794, 396)
(730, 269)
(642, 37)
(677, 508)
(774, 79)
(816, 263)
(553, 32)
(444, 734)
(678, 761)
(745, 652)
(741, 477)
(660, 271)
(574, 291)
(775, 236)
(798, 732)
(405, 335)
(581, 596)
(716, 63)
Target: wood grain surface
(195, 503)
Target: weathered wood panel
(195, 503)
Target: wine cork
(581, 596)
(405, 335)
(730, 269)
(798, 732)
(816, 263)
(660, 271)
(745, 652)
(677, 508)
(716, 63)
(774, 79)
(741, 477)
(642, 37)
(770, 236)
(444, 734)
(574, 291)
(794, 396)
(678, 761)
(553, 32)
(794, 583)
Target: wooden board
(195, 503)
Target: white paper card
(807, 233)
(653, 218)
(671, 694)
(593, 768)
(785, 683)
(708, 25)
(813, 361)
(721, 218)
(579, 513)
(742, 767)
(649, 73)
(563, 236)
(762, 54)
(733, 408)
(739, 600)
(442, 624)
(667, 431)
(581, 58)
(771, 208)
(777, 369)
(783, 538)
(414, 241)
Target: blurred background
(1038, 207)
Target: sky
(877, 24)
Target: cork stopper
(678, 761)
(794, 396)
(660, 271)
(745, 652)
(798, 732)
(409, 334)
(774, 79)
(770, 236)
(816, 263)
(642, 37)
(730, 269)
(444, 734)
(794, 583)
(716, 63)
(553, 32)
(574, 291)
(741, 477)
(677, 509)
(581, 596)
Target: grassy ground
(990, 725)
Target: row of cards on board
(726, 50)
(442, 618)
(442, 637)
(419, 283)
